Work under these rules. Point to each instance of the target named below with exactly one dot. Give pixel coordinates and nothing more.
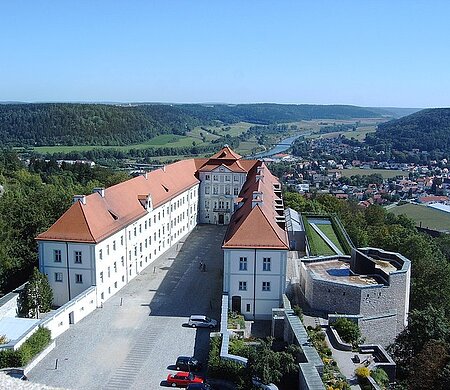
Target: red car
(183, 379)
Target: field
(430, 218)
(318, 245)
(159, 141)
(385, 173)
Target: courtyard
(138, 333)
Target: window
(227, 190)
(207, 177)
(248, 307)
(135, 231)
(129, 235)
(135, 250)
(215, 178)
(242, 264)
(122, 261)
(109, 272)
(215, 190)
(145, 225)
(236, 178)
(78, 257)
(206, 204)
(121, 240)
(114, 245)
(227, 178)
(140, 247)
(101, 277)
(107, 249)
(58, 277)
(100, 254)
(102, 296)
(57, 255)
(140, 228)
(78, 278)
(266, 263)
(242, 286)
(266, 286)
(207, 190)
(115, 284)
(115, 267)
(236, 191)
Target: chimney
(100, 191)
(146, 175)
(81, 198)
(164, 168)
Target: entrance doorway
(71, 320)
(221, 219)
(236, 303)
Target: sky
(367, 53)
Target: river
(281, 146)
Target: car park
(187, 363)
(201, 321)
(182, 379)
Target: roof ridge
(271, 226)
(86, 221)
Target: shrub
(380, 376)
(3, 339)
(348, 330)
(362, 372)
(298, 311)
(27, 351)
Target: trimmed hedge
(35, 344)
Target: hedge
(35, 344)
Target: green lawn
(317, 244)
(386, 173)
(430, 218)
(330, 233)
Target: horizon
(374, 54)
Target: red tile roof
(255, 226)
(121, 205)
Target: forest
(110, 125)
(426, 130)
(422, 350)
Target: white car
(199, 321)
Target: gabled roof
(226, 154)
(122, 204)
(255, 226)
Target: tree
(36, 297)
(348, 330)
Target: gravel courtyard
(131, 341)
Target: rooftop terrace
(339, 271)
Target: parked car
(199, 321)
(187, 363)
(199, 386)
(183, 379)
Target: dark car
(187, 363)
(15, 373)
(199, 386)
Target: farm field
(171, 140)
(385, 173)
(430, 218)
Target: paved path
(130, 346)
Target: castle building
(108, 237)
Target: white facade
(218, 190)
(73, 267)
(255, 280)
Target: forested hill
(426, 130)
(101, 124)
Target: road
(139, 332)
